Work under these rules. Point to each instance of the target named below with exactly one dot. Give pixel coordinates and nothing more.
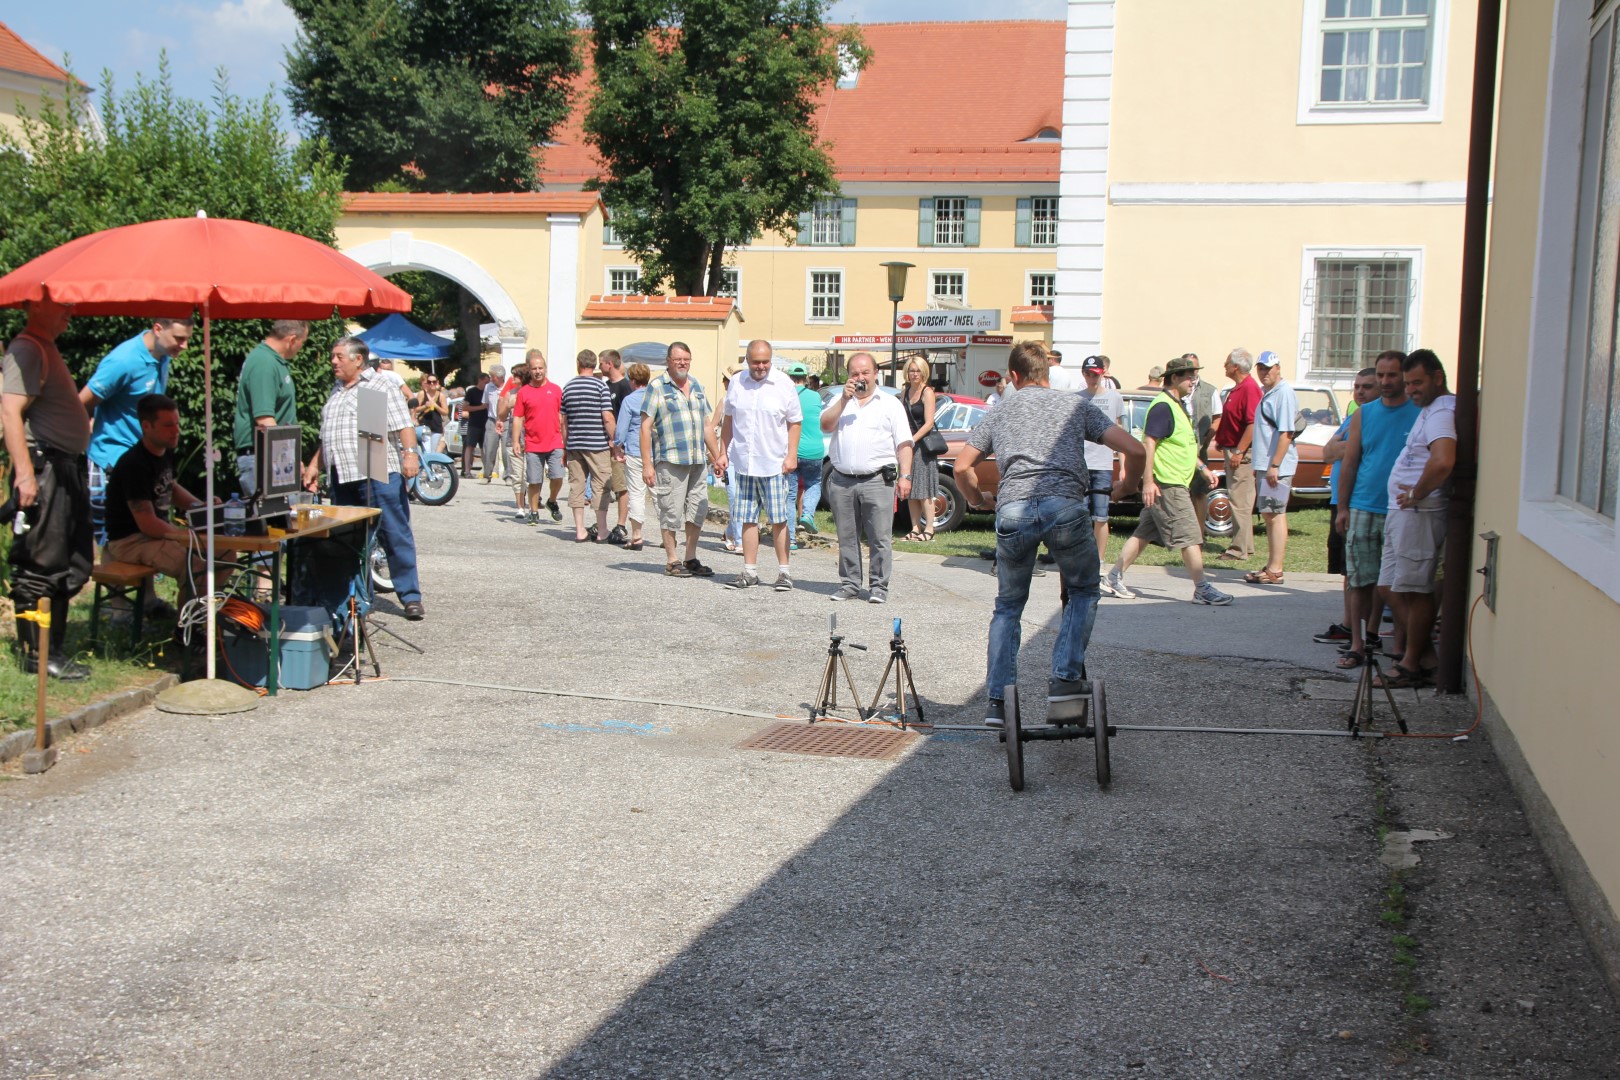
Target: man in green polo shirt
(1167, 508)
(264, 392)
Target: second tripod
(900, 664)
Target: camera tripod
(1361, 707)
(900, 664)
(827, 696)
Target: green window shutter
(970, 234)
(848, 223)
(1021, 230)
(804, 229)
(925, 222)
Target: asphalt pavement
(554, 860)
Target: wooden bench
(127, 581)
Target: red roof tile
(19, 56)
(1032, 314)
(899, 123)
(509, 202)
(687, 308)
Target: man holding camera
(870, 450)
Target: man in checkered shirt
(346, 480)
(677, 446)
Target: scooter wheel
(1014, 734)
(1099, 738)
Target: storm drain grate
(830, 740)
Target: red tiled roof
(508, 202)
(1032, 314)
(685, 308)
(19, 56)
(952, 102)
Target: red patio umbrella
(227, 269)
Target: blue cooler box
(307, 648)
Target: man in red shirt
(537, 434)
(1232, 438)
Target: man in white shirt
(1415, 530)
(759, 440)
(869, 445)
(1060, 377)
(1099, 458)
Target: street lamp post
(897, 293)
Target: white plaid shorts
(767, 493)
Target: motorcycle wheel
(436, 484)
(381, 579)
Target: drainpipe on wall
(1460, 521)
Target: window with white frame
(948, 285)
(1589, 442)
(610, 235)
(1372, 61)
(1043, 221)
(730, 283)
(827, 222)
(825, 302)
(622, 280)
(950, 221)
(1362, 307)
(1042, 288)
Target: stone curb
(86, 717)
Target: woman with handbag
(929, 445)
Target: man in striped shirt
(677, 444)
(587, 429)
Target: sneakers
(1209, 594)
(1066, 700)
(617, 535)
(745, 580)
(784, 582)
(1333, 635)
(556, 511)
(877, 596)
(697, 568)
(1115, 583)
(534, 517)
(809, 523)
(1104, 588)
(995, 714)
(845, 592)
(525, 517)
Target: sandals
(913, 537)
(1403, 678)
(926, 536)
(1348, 661)
(634, 545)
(1263, 577)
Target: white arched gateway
(518, 253)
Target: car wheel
(1220, 518)
(950, 509)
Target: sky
(247, 37)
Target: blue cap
(1267, 359)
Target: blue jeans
(394, 530)
(734, 523)
(1021, 527)
(809, 477)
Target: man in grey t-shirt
(1038, 436)
(46, 433)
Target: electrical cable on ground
(593, 697)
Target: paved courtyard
(479, 877)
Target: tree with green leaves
(165, 156)
(704, 119)
(448, 95)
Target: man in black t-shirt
(474, 415)
(142, 489)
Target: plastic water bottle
(235, 516)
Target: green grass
(1306, 554)
(107, 676)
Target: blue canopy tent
(397, 338)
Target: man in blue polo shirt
(138, 367)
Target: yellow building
(1271, 174)
(1549, 454)
(26, 79)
